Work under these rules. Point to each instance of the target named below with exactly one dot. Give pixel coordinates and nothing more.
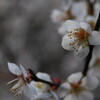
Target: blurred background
(29, 37)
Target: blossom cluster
(79, 10)
(79, 35)
(74, 88)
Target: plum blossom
(95, 63)
(57, 16)
(77, 87)
(70, 11)
(61, 15)
(79, 10)
(43, 90)
(22, 85)
(79, 36)
(26, 84)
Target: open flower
(26, 84)
(61, 15)
(22, 84)
(43, 90)
(78, 88)
(95, 63)
(79, 10)
(78, 38)
(58, 16)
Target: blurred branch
(97, 26)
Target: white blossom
(57, 15)
(78, 38)
(75, 10)
(95, 63)
(77, 87)
(21, 86)
(61, 15)
(79, 10)
(43, 90)
(32, 89)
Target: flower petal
(71, 25)
(28, 93)
(96, 9)
(86, 26)
(66, 86)
(90, 82)
(56, 15)
(67, 41)
(81, 52)
(79, 10)
(93, 60)
(13, 68)
(23, 71)
(42, 95)
(71, 97)
(95, 71)
(62, 30)
(85, 95)
(75, 78)
(95, 38)
(32, 87)
(55, 95)
(43, 76)
(63, 89)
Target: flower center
(29, 77)
(81, 37)
(20, 76)
(19, 87)
(81, 33)
(39, 85)
(76, 88)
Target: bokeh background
(29, 37)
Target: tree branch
(97, 26)
(35, 78)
